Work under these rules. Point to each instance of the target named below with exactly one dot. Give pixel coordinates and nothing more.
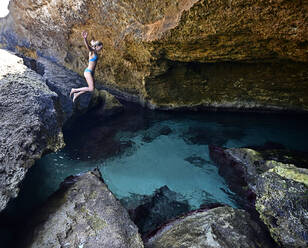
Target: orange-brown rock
(172, 53)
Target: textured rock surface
(176, 53)
(29, 125)
(280, 189)
(84, 213)
(219, 227)
(282, 201)
(61, 80)
(153, 211)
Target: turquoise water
(141, 151)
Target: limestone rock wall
(145, 41)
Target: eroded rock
(278, 189)
(283, 204)
(84, 213)
(219, 227)
(29, 123)
(170, 54)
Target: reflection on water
(142, 151)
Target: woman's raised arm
(85, 35)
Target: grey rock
(84, 213)
(29, 124)
(219, 227)
(282, 201)
(280, 189)
(61, 80)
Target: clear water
(140, 151)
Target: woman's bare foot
(75, 96)
(72, 92)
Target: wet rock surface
(84, 213)
(219, 227)
(277, 189)
(29, 123)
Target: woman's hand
(84, 34)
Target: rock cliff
(169, 54)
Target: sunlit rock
(221, 227)
(170, 54)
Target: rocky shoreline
(273, 184)
(34, 109)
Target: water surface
(140, 151)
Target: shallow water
(141, 151)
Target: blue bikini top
(94, 58)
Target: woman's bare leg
(78, 91)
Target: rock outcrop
(279, 189)
(34, 107)
(170, 54)
(219, 227)
(29, 123)
(84, 213)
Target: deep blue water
(140, 151)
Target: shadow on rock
(149, 212)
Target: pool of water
(140, 151)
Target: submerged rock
(278, 189)
(149, 212)
(84, 213)
(221, 227)
(29, 123)
(154, 132)
(196, 161)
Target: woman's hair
(96, 43)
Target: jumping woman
(95, 47)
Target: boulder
(84, 213)
(221, 227)
(29, 123)
(282, 201)
(278, 188)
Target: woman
(95, 47)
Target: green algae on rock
(282, 204)
(221, 227)
(280, 190)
